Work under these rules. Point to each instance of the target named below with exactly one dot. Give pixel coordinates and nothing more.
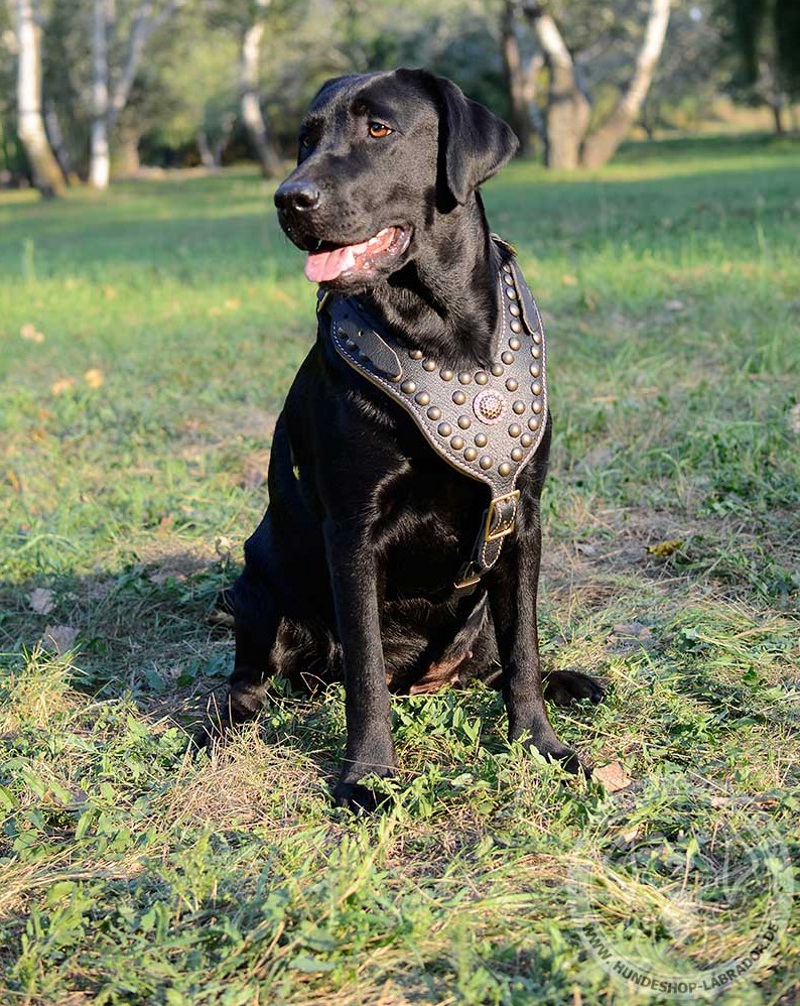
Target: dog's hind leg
(257, 619)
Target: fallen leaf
(30, 333)
(110, 292)
(94, 377)
(612, 777)
(674, 305)
(42, 600)
(233, 303)
(665, 548)
(61, 385)
(635, 630)
(569, 280)
(794, 418)
(60, 638)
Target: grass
(147, 339)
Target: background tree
(123, 33)
(766, 37)
(589, 59)
(47, 174)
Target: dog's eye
(377, 130)
(305, 141)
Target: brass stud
(504, 469)
(444, 429)
(533, 423)
(515, 343)
(459, 397)
(434, 413)
(485, 462)
(464, 422)
(508, 278)
(537, 338)
(480, 440)
(465, 377)
(497, 370)
(535, 352)
(514, 309)
(512, 384)
(349, 343)
(481, 377)
(457, 443)
(408, 387)
(516, 326)
(526, 440)
(429, 365)
(536, 388)
(518, 407)
(507, 358)
(514, 430)
(537, 407)
(415, 354)
(506, 267)
(470, 454)
(535, 370)
(422, 398)
(517, 454)
(446, 375)
(511, 293)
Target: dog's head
(382, 157)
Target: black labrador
(356, 571)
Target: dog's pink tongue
(326, 265)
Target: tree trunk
(602, 144)
(515, 79)
(46, 172)
(271, 166)
(126, 157)
(99, 156)
(567, 107)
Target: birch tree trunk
(567, 107)
(46, 172)
(99, 156)
(602, 144)
(252, 115)
(108, 102)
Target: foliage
(146, 341)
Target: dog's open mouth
(331, 261)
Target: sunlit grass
(147, 338)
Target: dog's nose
(297, 195)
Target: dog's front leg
(354, 581)
(512, 587)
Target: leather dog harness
(486, 423)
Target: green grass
(134, 438)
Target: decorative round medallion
(488, 406)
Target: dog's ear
(474, 143)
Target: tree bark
(46, 172)
(99, 154)
(515, 79)
(602, 144)
(567, 107)
(252, 115)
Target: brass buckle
(488, 534)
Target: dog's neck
(445, 301)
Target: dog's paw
(566, 687)
(358, 798)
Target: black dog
(366, 565)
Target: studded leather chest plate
(487, 423)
